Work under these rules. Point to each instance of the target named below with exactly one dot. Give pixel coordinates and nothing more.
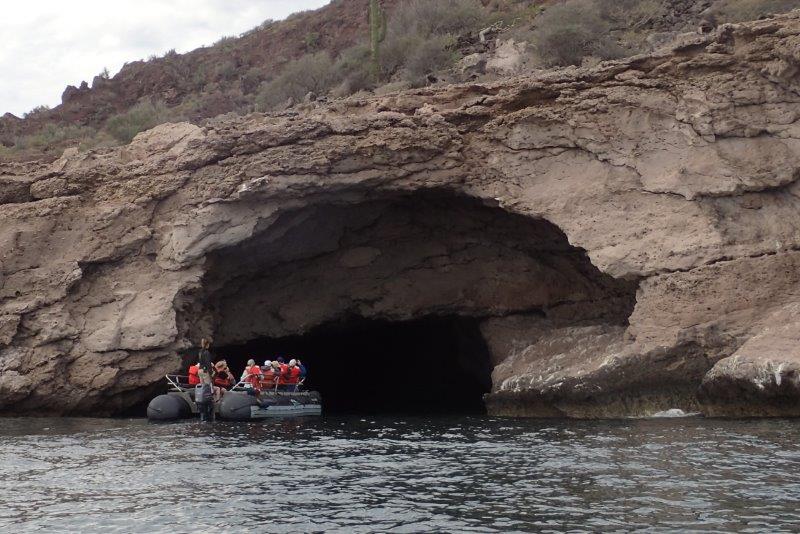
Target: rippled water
(351, 474)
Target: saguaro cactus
(377, 33)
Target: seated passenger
(283, 374)
(223, 377)
(252, 374)
(194, 377)
(292, 375)
(268, 377)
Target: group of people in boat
(273, 375)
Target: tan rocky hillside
(628, 235)
(235, 75)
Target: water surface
(399, 474)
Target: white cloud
(49, 44)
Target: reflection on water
(354, 474)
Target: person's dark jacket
(205, 360)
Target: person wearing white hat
(269, 376)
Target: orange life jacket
(284, 374)
(293, 375)
(194, 377)
(254, 375)
(268, 379)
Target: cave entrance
(389, 300)
(430, 365)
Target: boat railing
(181, 383)
(177, 383)
(244, 385)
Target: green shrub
(568, 32)
(742, 10)
(53, 135)
(312, 41)
(251, 80)
(224, 42)
(225, 70)
(141, 117)
(310, 73)
(36, 112)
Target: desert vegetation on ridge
(328, 53)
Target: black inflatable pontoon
(242, 403)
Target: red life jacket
(223, 379)
(194, 371)
(293, 375)
(254, 375)
(268, 380)
(284, 374)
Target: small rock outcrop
(627, 234)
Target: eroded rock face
(628, 234)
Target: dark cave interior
(430, 365)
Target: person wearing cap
(268, 377)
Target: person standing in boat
(204, 397)
(204, 356)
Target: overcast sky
(49, 44)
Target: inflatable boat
(241, 403)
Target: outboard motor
(168, 408)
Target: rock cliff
(628, 235)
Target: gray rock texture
(628, 234)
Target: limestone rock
(626, 234)
(508, 57)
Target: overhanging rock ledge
(628, 235)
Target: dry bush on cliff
(141, 117)
(53, 134)
(631, 14)
(431, 55)
(422, 34)
(436, 17)
(742, 10)
(571, 31)
(352, 68)
(310, 73)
